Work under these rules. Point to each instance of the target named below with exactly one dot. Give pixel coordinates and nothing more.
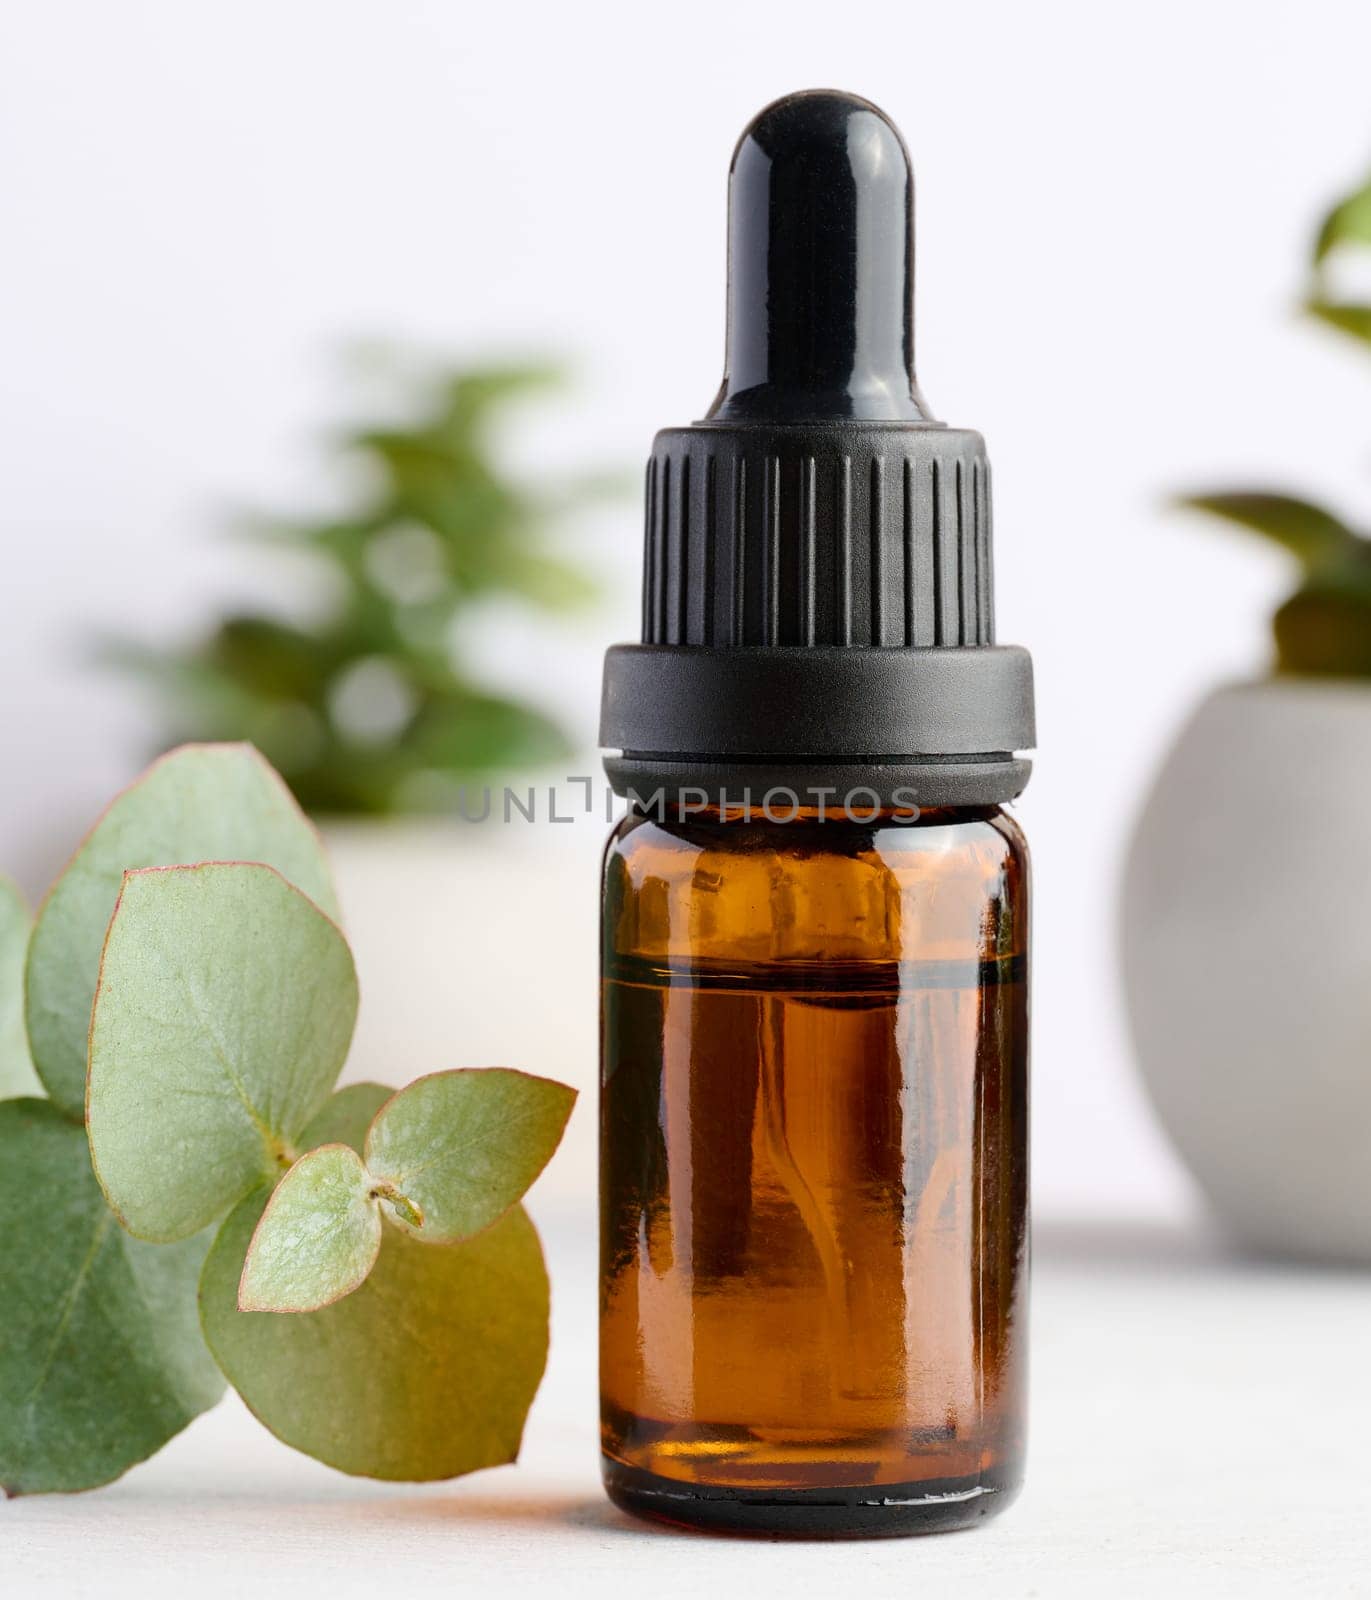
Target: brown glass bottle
(814, 1170)
(815, 1030)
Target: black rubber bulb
(820, 266)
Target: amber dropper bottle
(815, 988)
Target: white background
(201, 203)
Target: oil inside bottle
(814, 1216)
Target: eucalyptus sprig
(194, 934)
(16, 1069)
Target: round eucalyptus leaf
(224, 1011)
(101, 1356)
(464, 1146)
(426, 1371)
(345, 1117)
(16, 1069)
(200, 803)
(317, 1238)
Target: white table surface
(1199, 1427)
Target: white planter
(1247, 960)
(477, 946)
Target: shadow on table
(579, 1511)
(339, 1509)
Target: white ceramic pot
(477, 946)
(1247, 960)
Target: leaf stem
(400, 1203)
(282, 1152)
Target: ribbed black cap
(790, 536)
(817, 600)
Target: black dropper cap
(820, 268)
(817, 604)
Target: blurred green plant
(1324, 627)
(371, 706)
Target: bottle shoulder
(971, 838)
(946, 883)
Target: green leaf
(464, 1146)
(318, 1237)
(543, 579)
(16, 1069)
(1325, 629)
(225, 1008)
(346, 1117)
(472, 732)
(272, 658)
(1307, 531)
(1349, 222)
(1345, 317)
(426, 1371)
(200, 803)
(101, 1357)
